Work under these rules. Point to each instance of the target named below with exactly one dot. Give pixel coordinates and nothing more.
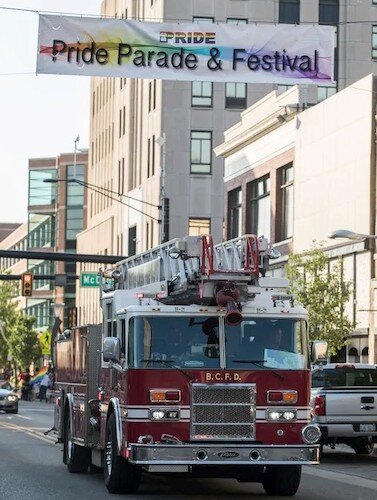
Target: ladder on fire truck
(190, 267)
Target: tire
(76, 457)
(120, 476)
(363, 447)
(15, 411)
(282, 480)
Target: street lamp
(350, 235)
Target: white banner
(262, 53)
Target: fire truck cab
(201, 367)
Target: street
(31, 467)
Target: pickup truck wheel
(282, 480)
(363, 447)
(76, 457)
(120, 475)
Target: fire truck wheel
(76, 457)
(282, 480)
(120, 475)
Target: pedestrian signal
(27, 285)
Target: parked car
(8, 398)
(344, 405)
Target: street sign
(45, 341)
(90, 280)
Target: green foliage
(24, 345)
(321, 289)
(18, 338)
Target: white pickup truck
(344, 405)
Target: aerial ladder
(193, 270)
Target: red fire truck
(200, 367)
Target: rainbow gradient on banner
(39, 375)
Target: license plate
(367, 427)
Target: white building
(295, 177)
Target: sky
(39, 115)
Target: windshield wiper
(168, 362)
(260, 363)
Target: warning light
(27, 285)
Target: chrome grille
(223, 411)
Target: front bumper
(8, 405)
(217, 454)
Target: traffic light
(27, 285)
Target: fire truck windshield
(186, 342)
(265, 343)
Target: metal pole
(75, 156)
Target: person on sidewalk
(45, 384)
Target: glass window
(201, 19)
(258, 344)
(42, 230)
(374, 41)
(260, 210)
(201, 94)
(201, 152)
(159, 342)
(325, 91)
(131, 241)
(286, 201)
(40, 192)
(235, 210)
(289, 11)
(283, 88)
(198, 227)
(346, 376)
(235, 20)
(75, 202)
(328, 12)
(235, 95)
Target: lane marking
(343, 477)
(22, 416)
(29, 432)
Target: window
(260, 210)
(323, 92)
(41, 231)
(283, 88)
(201, 94)
(286, 188)
(344, 377)
(235, 95)
(41, 192)
(131, 241)
(289, 11)
(235, 212)
(177, 341)
(374, 41)
(328, 12)
(75, 203)
(234, 20)
(201, 152)
(200, 19)
(197, 227)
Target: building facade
(151, 141)
(56, 214)
(297, 176)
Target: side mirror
(111, 350)
(318, 351)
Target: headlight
(164, 414)
(281, 415)
(311, 434)
(12, 398)
(157, 414)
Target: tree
(319, 287)
(8, 316)
(24, 345)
